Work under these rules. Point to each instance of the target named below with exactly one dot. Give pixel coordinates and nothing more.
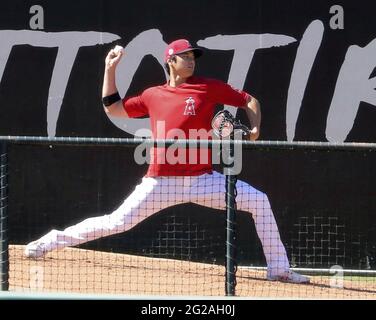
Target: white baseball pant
(156, 193)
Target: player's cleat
(35, 250)
(288, 276)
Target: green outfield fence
(303, 256)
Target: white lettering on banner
(305, 57)
(68, 44)
(353, 84)
(149, 42)
(244, 46)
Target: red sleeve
(222, 93)
(135, 107)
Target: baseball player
(185, 102)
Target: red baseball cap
(180, 46)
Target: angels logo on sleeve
(190, 107)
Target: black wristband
(112, 98)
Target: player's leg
(149, 197)
(210, 191)
(257, 203)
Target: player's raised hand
(113, 57)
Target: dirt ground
(84, 271)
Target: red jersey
(183, 112)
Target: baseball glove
(224, 124)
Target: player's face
(185, 64)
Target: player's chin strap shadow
(224, 124)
